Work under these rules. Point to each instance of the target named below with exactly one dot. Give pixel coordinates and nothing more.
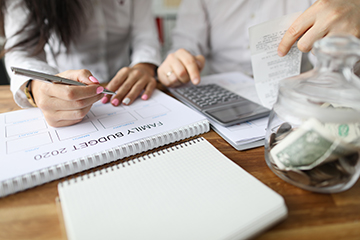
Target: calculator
(219, 104)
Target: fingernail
(104, 100)
(115, 102)
(126, 101)
(144, 97)
(280, 53)
(196, 80)
(99, 90)
(93, 79)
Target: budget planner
(34, 153)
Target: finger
(176, 70)
(114, 85)
(54, 104)
(118, 79)
(200, 60)
(106, 98)
(72, 92)
(189, 69)
(65, 118)
(307, 41)
(149, 89)
(83, 75)
(134, 92)
(138, 82)
(296, 30)
(59, 96)
(133, 76)
(165, 74)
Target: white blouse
(218, 29)
(119, 33)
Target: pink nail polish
(99, 90)
(115, 102)
(93, 79)
(104, 100)
(144, 97)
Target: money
(347, 132)
(309, 146)
(315, 154)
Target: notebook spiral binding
(36, 178)
(130, 162)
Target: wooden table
(32, 214)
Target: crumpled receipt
(268, 67)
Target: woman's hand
(64, 105)
(181, 67)
(130, 82)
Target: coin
(272, 139)
(328, 174)
(298, 176)
(285, 127)
(283, 131)
(347, 164)
(352, 159)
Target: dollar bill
(347, 132)
(309, 146)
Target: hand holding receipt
(66, 103)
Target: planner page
(29, 144)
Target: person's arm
(145, 45)
(14, 19)
(138, 78)
(323, 18)
(61, 105)
(190, 43)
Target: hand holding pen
(64, 104)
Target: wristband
(29, 94)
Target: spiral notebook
(189, 191)
(33, 153)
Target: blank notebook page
(190, 191)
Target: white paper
(190, 191)
(268, 67)
(29, 144)
(243, 133)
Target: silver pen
(50, 78)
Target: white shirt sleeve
(13, 21)
(121, 33)
(192, 28)
(145, 45)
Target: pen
(50, 78)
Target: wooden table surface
(32, 214)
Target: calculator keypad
(210, 95)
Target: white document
(268, 67)
(29, 145)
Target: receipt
(268, 67)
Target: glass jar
(313, 134)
